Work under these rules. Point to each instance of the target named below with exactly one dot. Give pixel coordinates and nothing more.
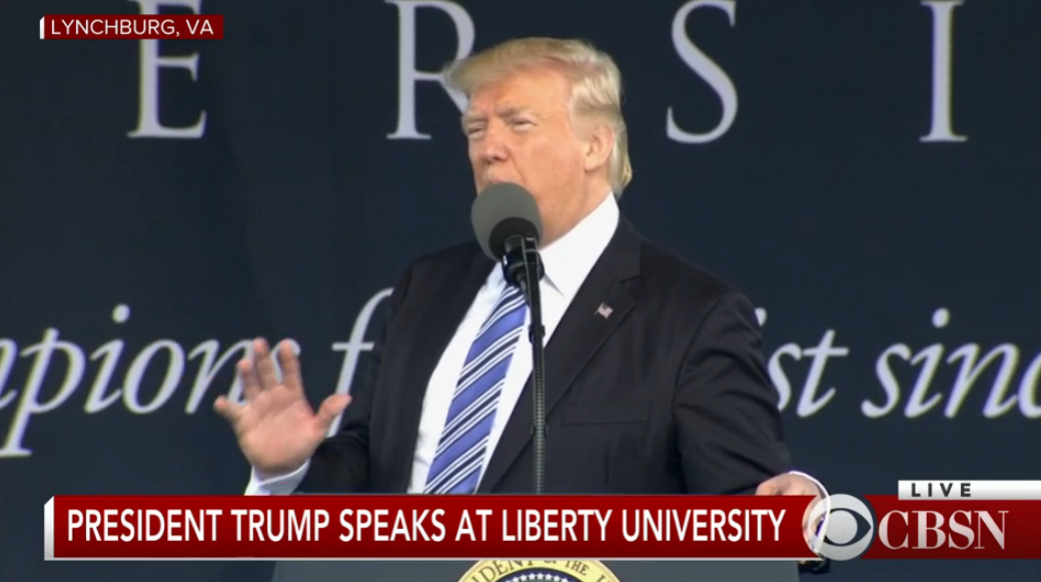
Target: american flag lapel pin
(604, 310)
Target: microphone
(506, 221)
(508, 227)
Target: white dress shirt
(567, 261)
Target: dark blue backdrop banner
(868, 172)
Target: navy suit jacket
(668, 394)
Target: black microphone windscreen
(501, 211)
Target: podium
(535, 571)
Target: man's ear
(599, 141)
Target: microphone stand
(523, 267)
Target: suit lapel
(580, 334)
(451, 300)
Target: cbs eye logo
(849, 527)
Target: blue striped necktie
(461, 451)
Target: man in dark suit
(655, 378)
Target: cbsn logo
(852, 524)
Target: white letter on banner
(148, 117)
(706, 69)
(408, 76)
(943, 19)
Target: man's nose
(493, 144)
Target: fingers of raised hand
(331, 408)
(291, 376)
(250, 381)
(264, 364)
(259, 377)
(228, 409)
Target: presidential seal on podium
(539, 571)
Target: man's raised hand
(276, 427)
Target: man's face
(520, 130)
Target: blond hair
(596, 84)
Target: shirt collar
(568, 260)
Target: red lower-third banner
(468, 527)
(426, 527)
